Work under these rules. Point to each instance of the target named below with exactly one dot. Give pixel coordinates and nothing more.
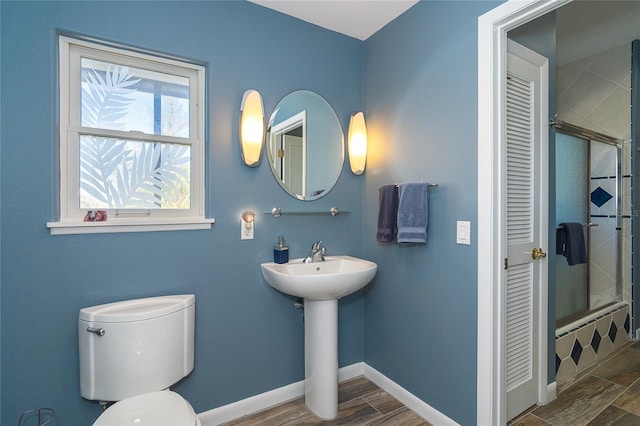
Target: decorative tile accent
(602, 325)
(599, 196)
(564, 344)
(627, 325)
(566, 370)
(576, 352)
(585, 333)
(595, 341)
(581, 347)
(621, 338)
(613, 330)
(606, 346)
(619, 317)
(587, 358)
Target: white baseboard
(411, 401)
(295, 390)
(351, 371)
(268, 399)
(552, 392)
(251, 405)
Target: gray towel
(570, 243)
(387, 214)
(413, 212)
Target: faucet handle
(316, 245)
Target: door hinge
(281, 153)
(506, 263)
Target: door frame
(492, 64)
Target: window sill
(116, 226)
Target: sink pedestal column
(321, 357)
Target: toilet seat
(161, 408)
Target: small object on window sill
(95, 216)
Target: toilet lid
(162, 408)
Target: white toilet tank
(135, 346)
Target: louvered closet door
(522, 273)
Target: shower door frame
(574, 316)
(588, 136)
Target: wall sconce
(357, 143)
(251, 127)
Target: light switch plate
(463, 235)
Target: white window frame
(70, 221)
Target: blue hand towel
(413, 212)
(570, 243)
(387, 214)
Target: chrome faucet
(316, 254)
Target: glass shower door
(572, 205)
(588, 184)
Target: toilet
(131, 352)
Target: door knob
(538, 253)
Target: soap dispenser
(281, 251)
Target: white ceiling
(356, 18)
(584, 27)
(588, 27)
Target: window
(131, 141)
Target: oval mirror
(305, 145)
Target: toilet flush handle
(98, 331)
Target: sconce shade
(357, 143)
(251, 127)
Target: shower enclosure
(588, 192)
(593, 186)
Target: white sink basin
(321, 284)
(336, 277)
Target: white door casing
(293, 172)
(526, 225)
(492, 53)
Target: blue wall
(421, 108)
(249, 339)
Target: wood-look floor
(360, 403)
(607, 394)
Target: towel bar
(430, 185)
(333, 211)
(586, 225)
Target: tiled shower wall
(595, 93)
(579, 348)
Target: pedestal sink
(321, 284)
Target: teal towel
(413, 212)
(387, 214)
(571, 244)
